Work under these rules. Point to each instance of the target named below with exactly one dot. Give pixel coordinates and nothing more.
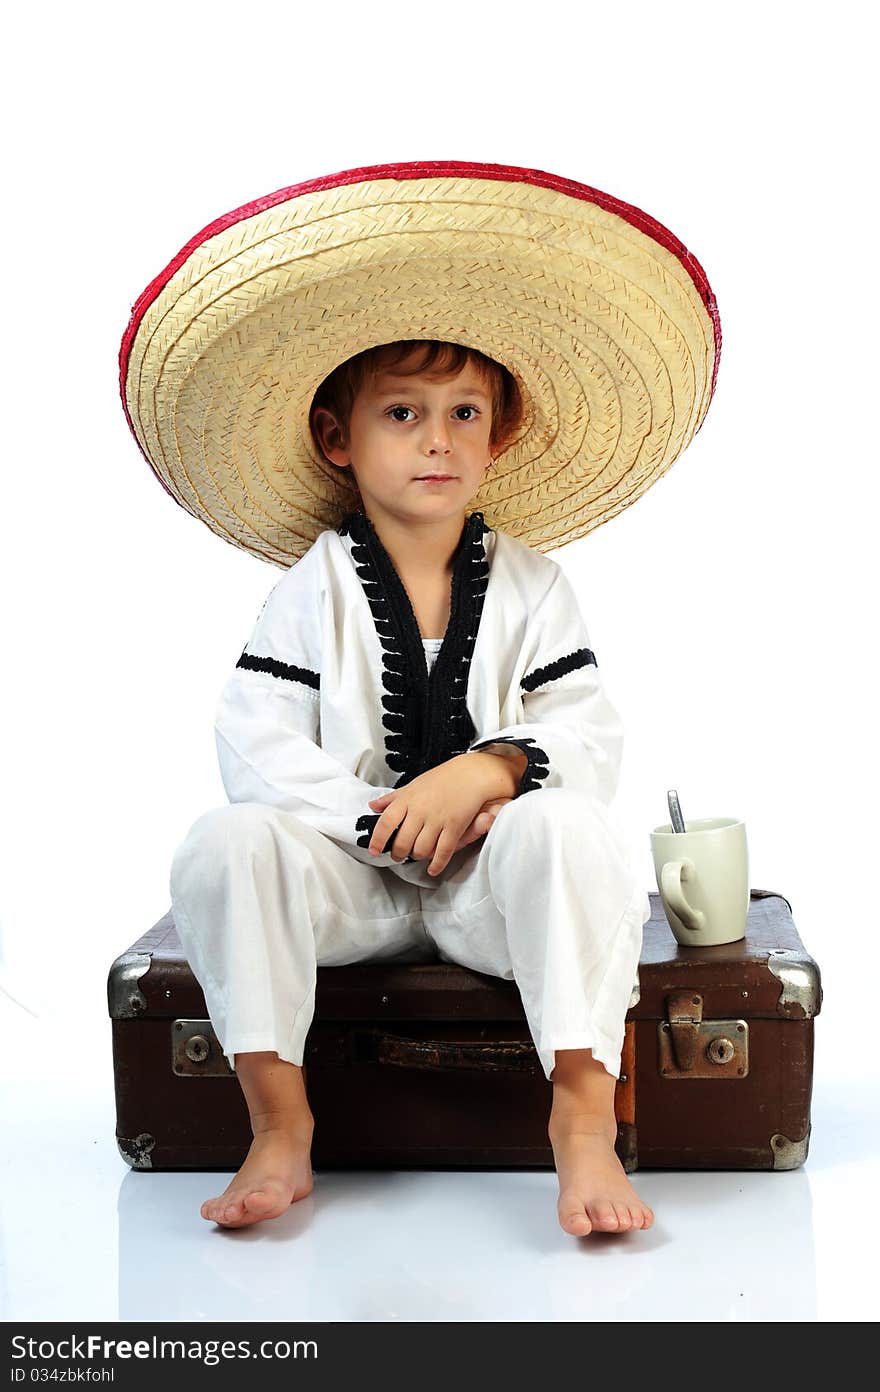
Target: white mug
(703, 879)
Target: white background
(732, 608)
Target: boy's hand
(436, 814)
(478, 827)
(482, 822)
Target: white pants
(546, 899)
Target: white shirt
(337, 698)
(432, 647)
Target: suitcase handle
(512, 1056)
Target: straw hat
(606, 321)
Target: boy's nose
(437, 436)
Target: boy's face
(403, 427)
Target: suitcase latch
(196, 1052)
(692, 1047)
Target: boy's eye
(392, 409)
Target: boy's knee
(210, 835)
(554, 808)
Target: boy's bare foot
(276, 1173)
(594, 1191)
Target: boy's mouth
(434, 478)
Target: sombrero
(605, 319)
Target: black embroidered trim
(554, 670)
(285, 670)
(367, 824)
(538, 766)
(419, 739)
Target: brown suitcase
(431, 1065)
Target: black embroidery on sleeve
(286, 671)
(583, 657)
(538, 766)
(425, 713)
(367, 824)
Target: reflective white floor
(84, 1237)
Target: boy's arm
(267, 723)
(571, 735)
(513, 764)
(268, 752)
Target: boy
(407, 422)
(417, 749)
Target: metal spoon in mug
(675, 816)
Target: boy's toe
(624, 1218)
(572, 1213)
(637, 1217)
(603, 1215)
(576, 1221)
(257, 1201)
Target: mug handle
(673, 874)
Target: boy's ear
(329, 432)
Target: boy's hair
(440, 358)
